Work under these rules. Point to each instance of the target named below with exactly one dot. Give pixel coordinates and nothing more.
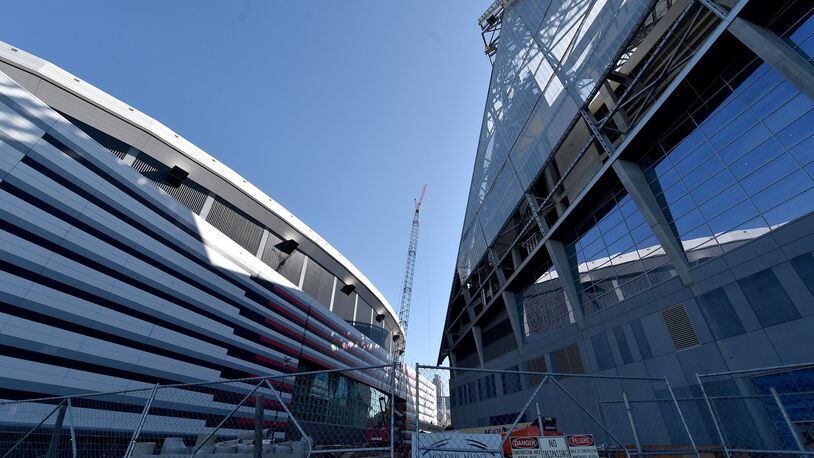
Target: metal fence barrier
(625, 415)
(345, 411)
(431, 411)
(765, 411)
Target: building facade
(130, 257)
(641, 202)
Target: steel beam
(632, 178)
(512, 309)
(776, 52)
(478, 336)
(568, 277)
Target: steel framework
(407, 282)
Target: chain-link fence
(428, 411)
(622, 415)
(348, 412)
(767, 411)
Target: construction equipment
(400, 344)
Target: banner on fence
(495, 429)
(455, 443)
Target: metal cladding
(129, 257)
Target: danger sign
(526, 447)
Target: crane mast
(407, 283)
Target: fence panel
(552, 404)
(90, 425)
(377, 411)
(766, 411)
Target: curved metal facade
(128, 257)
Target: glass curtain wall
(738, 163)
(551, 55)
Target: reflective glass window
(736, 165)
(616, 253)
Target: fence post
(258, 425)
(73, 431)
(520, 415)
(53, 445)
(393, 409)
(789, 424)
(417, 410)
(290, 415)
(712, 413)
(140, 425)
(683, 420)
(226, 418)
(587, 412)
(632, 424)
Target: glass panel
(608, 247)
(736, 172)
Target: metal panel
(114, 145)
(190, 194)
(235, 225)
(288, 265)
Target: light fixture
(176, 176)
(287, 246)
(347, 289)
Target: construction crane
(407, 283)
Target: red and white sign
(526, 447)
(582, 446)
(525, 442)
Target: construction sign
(582, 446)
(539, 447)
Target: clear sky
(338, 109)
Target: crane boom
(407, 282)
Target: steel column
(776, 52)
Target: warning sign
(582, 446)
(526, 447)
(540, 447)
(554, 447)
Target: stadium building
(642, 196)
(130, 257)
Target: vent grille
(190, 194)
(112, 144)
(289, 266)
(235, 225)
(680, 327)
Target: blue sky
(339, 109)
